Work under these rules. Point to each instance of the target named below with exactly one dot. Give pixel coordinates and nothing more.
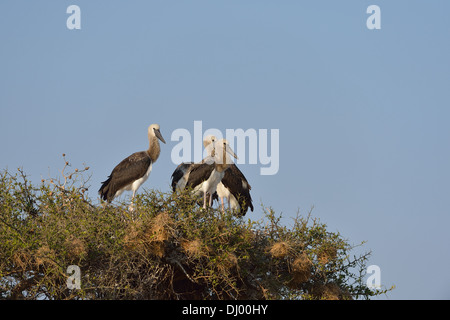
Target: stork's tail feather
(104, 190)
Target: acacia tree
(167, 248)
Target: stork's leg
(223, 206)
(131, 207)
(210, 200)
(204, 200)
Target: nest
(280, 249)
(194, 248)
(301, 269)
(76, 247)
(326, 254)
(150, 237)
(329, 291)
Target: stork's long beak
(231, 152)
(158, 135)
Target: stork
(204, 177)
(181, 173)
(236, 189)
(134, 170)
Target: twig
(182, 269)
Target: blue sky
(363, 114)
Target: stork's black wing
(198, 173)
(179, 172)
(126, 172)
(235, 181)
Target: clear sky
(363, 115)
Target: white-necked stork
(134, 170)
(236, 189)
(181, 173)
(204, 177)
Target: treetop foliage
(168, 247)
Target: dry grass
(20, 259)
(45, 256)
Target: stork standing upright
(134, 170)
(181, 173)
(234, 187)
(204, 177)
